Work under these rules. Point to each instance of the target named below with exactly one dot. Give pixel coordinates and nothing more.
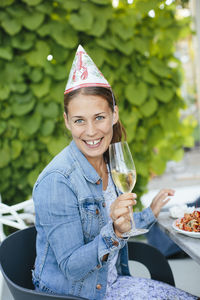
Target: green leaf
(158, 165)
(20, 109)
(11, 26)
(124, 32)
(23, 41)
(3, 127)
(4, 91)
(36, 75)
(4, 156)
(42, 88)
(47, 127)
(159, 67)
(6, 111)
(104, 42)
(50, 110)
(97, 54)
(18, 87)
(149, 77)
(144, 6)
(30, 124)
(59, 53)
(64, 35)
(141, 44)
(16, 148)
(149, 107)
(56, 144)
(71, 4)
(38, 56)
(4, 3)
(136, 93)
(32, 176)
(32, 2)
(83, 20)
(155, 134)
(99, 27)
(164, 94)
(33, 20)
(126, 47)
(6, 53)
(101, 2)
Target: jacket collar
(87, 169)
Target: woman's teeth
(93, 142)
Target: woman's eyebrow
(77, 117)
(103, 112)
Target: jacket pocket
(91, 219)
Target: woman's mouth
(93, 143)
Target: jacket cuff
(109, 242)
(145, 218)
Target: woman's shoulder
(62, 163)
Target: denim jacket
(73, 231)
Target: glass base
(135, 232)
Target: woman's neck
(98, 164)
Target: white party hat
(84, 73)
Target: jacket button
(104, 204)
(97, 211)
(115, 243)
(98, 286)
(98, 182)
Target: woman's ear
(115, 114)
(66, 121)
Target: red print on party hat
(84, 73)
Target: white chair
(11, 215)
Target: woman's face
(90, 121)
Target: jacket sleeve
(144, 219)
(57, 212)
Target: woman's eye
(79, 121)
(99, 118)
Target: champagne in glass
(124, 176)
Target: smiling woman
(80, 214)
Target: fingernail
(134, 195)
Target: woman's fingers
(165, 192)
(120, 207)
(160, 200)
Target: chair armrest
(153, 259)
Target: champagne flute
(124, 176)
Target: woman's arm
(148, 216)
(57, 210)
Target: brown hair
(118, 129)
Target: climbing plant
(133, 45)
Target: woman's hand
(160, 200)
(119, 213)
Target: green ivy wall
(134, 51)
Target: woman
(80, 214)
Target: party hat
(84, 73)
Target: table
(190, 245)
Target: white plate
(188, 233)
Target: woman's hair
(118, 129)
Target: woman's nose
(90, 129)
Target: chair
(17, 256)
(153, 259)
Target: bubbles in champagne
(124, 181)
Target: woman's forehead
(88, 103)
